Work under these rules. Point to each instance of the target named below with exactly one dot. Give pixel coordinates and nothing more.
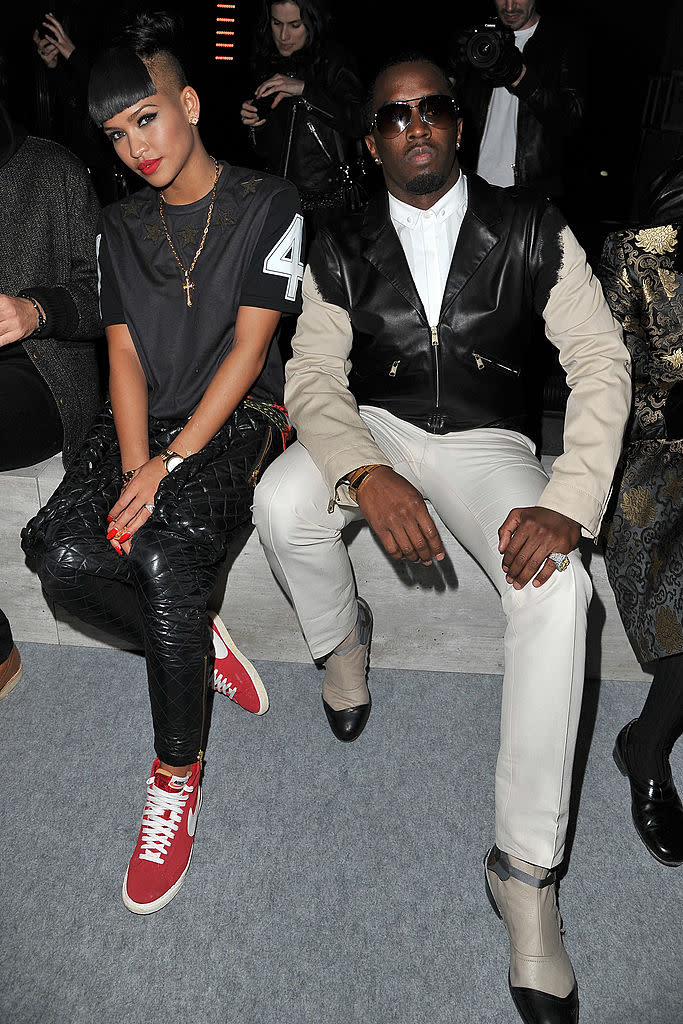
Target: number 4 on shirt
(284, 259)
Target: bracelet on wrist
(128, 476)
(41, 315)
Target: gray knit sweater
(48, 224)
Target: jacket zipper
(484, 361)
(394, 368)
(435, 346)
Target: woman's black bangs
(118, 80)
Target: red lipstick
(149, 166)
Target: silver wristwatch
(171, 460)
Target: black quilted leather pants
(156, 597)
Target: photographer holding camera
(521, 80)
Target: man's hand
(397, 513)
(18, 319)
(527, 537)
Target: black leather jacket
(473, 368)
(301, 137)
(551, 108)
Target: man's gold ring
(561, 561)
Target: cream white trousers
(472, 479)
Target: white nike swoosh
(220, 650)
(192, 821)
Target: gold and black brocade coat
(642, 276)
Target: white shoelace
(157, 830)
(222, 685)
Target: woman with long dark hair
(305, 115)
(196, 269)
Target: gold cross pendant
(187, 288)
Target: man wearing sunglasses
(408, 382)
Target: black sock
(660, 722)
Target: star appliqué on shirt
(189, 235)
(153, 232)
(224, 219)
(250, 186)
(130, 207)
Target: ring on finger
(561, 561)
(150, 508)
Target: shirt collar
(455, 201)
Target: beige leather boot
(541, 979)
(346, 698)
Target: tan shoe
(10, 672)
(346, 698)
(541, 978)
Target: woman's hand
(47, 50)
(282, 86)
(129, 512)
(57, 36)
(249, 115)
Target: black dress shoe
(542, 1008)
(656, 808)
(349, 723)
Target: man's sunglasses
(393, 118)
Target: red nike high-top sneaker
(162, 855)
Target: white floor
(445, 619)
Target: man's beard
(425, 183)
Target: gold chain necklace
(188, 287)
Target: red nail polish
(124, 536)
(110, 519)
(112, 533)
(117, 547)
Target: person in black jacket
(522, 113)
(304, 118)
(409, 383)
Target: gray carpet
(330, 883)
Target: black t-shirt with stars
(251, 257)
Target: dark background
(635, 104)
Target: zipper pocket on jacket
(255, 473)
(312, 130)
(484, 361)
(200, 756)
(394, 368)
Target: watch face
(173, 461)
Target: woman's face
(289, 32)
(154, 136)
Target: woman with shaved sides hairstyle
(195, 271)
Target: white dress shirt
(428, 238)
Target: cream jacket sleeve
(317, 395)
(591, 347)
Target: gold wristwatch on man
(354, 479)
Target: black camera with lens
(491, 50)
